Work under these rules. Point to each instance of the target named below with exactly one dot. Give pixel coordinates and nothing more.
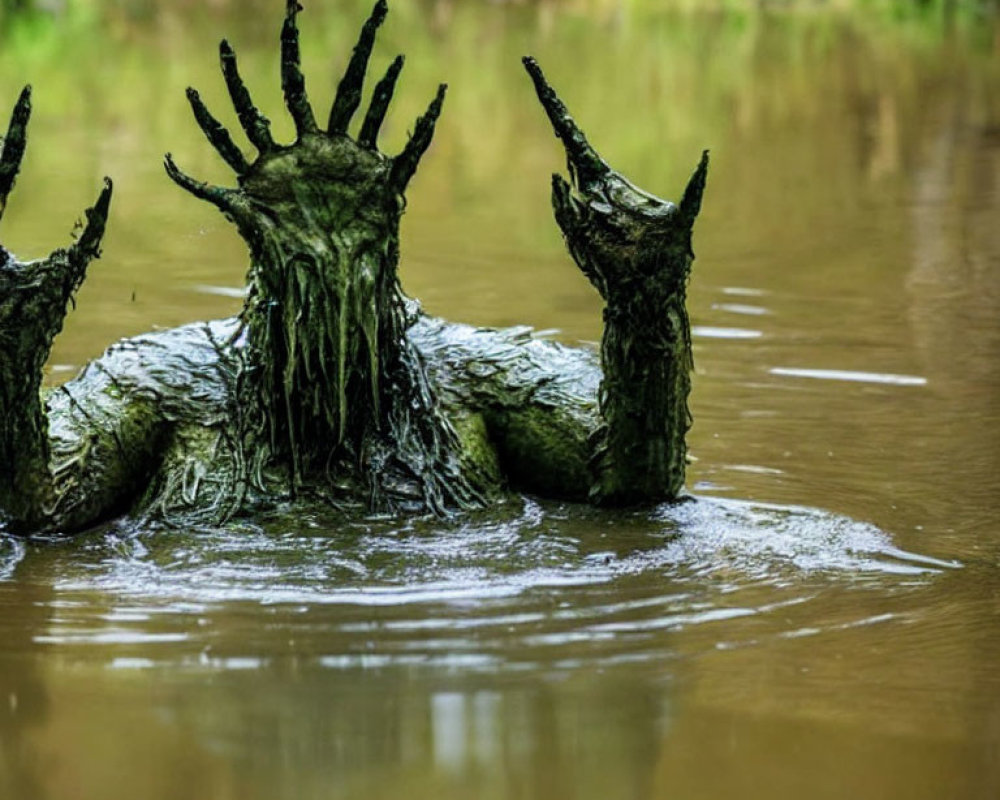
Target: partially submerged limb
(536, 400)
(636, 250)
(33, 301)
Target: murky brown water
(823, 622)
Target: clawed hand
(53, 279)
(611, 226)
(395, 173)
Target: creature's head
(321, 218)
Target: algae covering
(331, 384)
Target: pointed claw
(405, 164)
(585, 165)
(293, 83)
(13, 145)
(379, 105)
(256, 125)
(224, 199)
(217, 134)
(349, 90)
(565, 207)
(571, 216)
(691, 202)
(89, 243)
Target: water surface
(823, 621)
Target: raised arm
(33, 302)
(636, 250)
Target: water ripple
(527, 585)
(853, 376)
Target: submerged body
(152, 425)
(331, 384)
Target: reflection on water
(845, 301)
(493, 648)
(491, 587)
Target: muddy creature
(331, 385)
